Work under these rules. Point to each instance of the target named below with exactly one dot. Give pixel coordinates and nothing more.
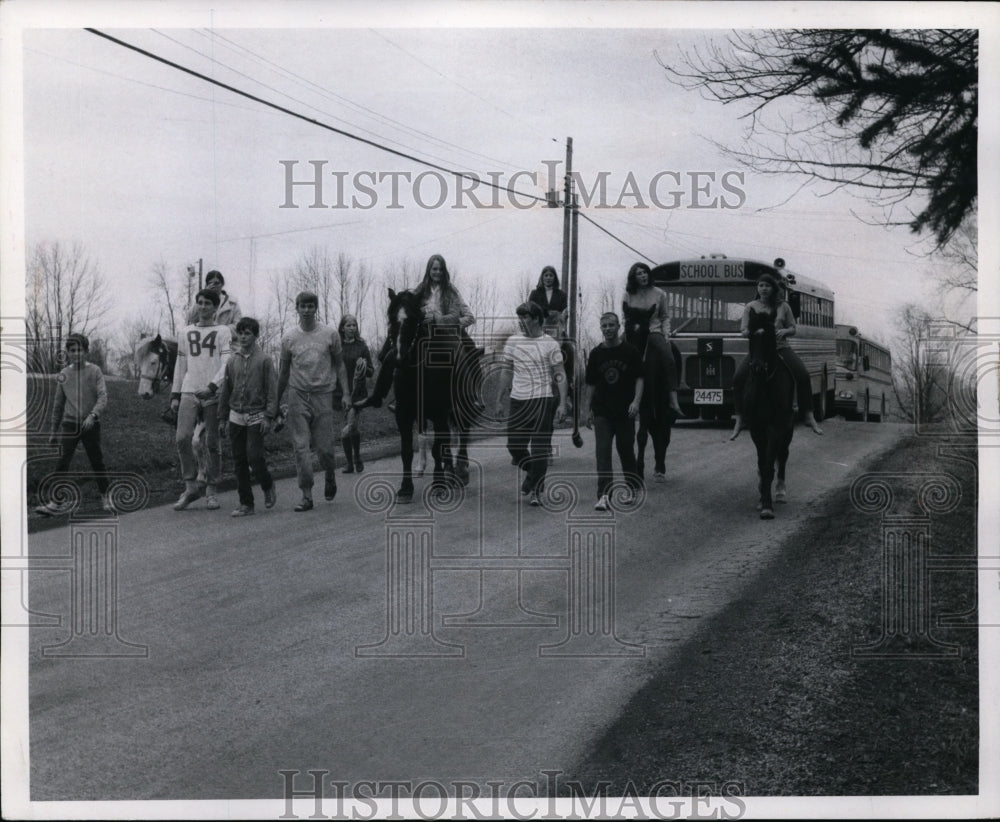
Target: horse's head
(762, 344)
(636, 322)
(405, 320)
(154, 361)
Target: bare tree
(65, 293)
(130, 333)
(919, 382)
(170, 295)
(895, 113)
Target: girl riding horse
(766, 397)
(647, 326)
(769, 301)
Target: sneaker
(526, 485)
(107, 504)
(270, 496)
(349, 468)
(659, 476)
(359, 466)
(187, 498)
(534, 500)
(212, 502)
(243, 511)
(305, 504)
(330, 488)
(51, 509)
(603, 504)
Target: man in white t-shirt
(311, 364)
(533, 361)
(202, 353)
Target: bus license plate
(708, 396)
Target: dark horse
(655, 417)
(427, 380)
(767, 409)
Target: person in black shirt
(614, 390)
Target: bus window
(847, 354)
(795, 303)
(702, 309)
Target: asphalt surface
(268, 643)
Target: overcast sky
(142, 163)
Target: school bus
(706, 298)
(864, 376)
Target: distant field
(135, 440)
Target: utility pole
(567, 233)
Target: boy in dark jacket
(248, 405)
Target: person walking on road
(80, 398)
(532, 362)
(614, 391)
(358, 365)
(248, 404)
(202, 353)
(310, 366)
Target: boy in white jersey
(202, 353)
(311, 364)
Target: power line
(214, 61)
(343, 133)
(332, 95)
(614, 237)
(310, 120)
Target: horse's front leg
(405, 426)
(641, 437)
(661, 439)
(780, 490)
(439, 444)
(766, 457)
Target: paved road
(265, 635)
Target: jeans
(622, 431)
(310, 419)
(72, 433)
(529, 438)
(248, 450)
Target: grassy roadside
(136, 441)
(768, 694)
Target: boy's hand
(224, 428)
(88, 422)
(265, 426)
